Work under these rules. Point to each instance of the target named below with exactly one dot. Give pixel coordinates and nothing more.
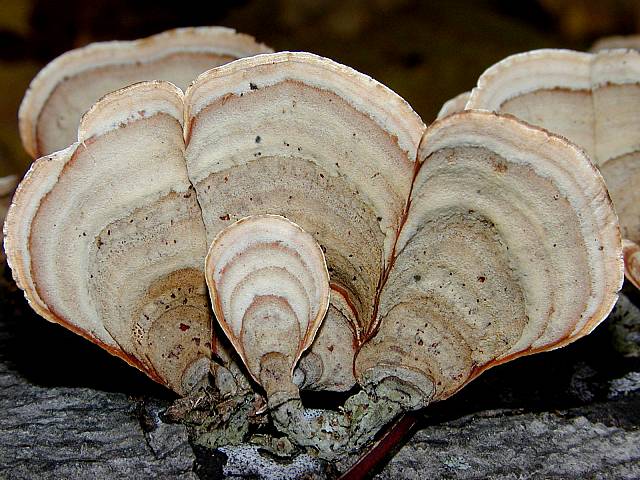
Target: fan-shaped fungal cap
(591, 99)
(289, 128)
(494, 239)
(269, 288)
(548, 88)
(317, 142)
(454, 105)
(510, 247)
(106, 238)
(70, 84)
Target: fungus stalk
(271, 307)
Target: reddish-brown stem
(365, 464)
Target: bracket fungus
(454, 105)
(419, 257)
(592, 99)
(65, 89)
(269, 289)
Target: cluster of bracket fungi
(284, 223)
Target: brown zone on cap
(355, 328)
(252, 342)
(343, 264)
(178, 55)
(609, 137)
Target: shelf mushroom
(591, 99)
(510, 247)
(65, 89)
(269, 289)
(454, 105)
(417, 258)
(106, 238)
